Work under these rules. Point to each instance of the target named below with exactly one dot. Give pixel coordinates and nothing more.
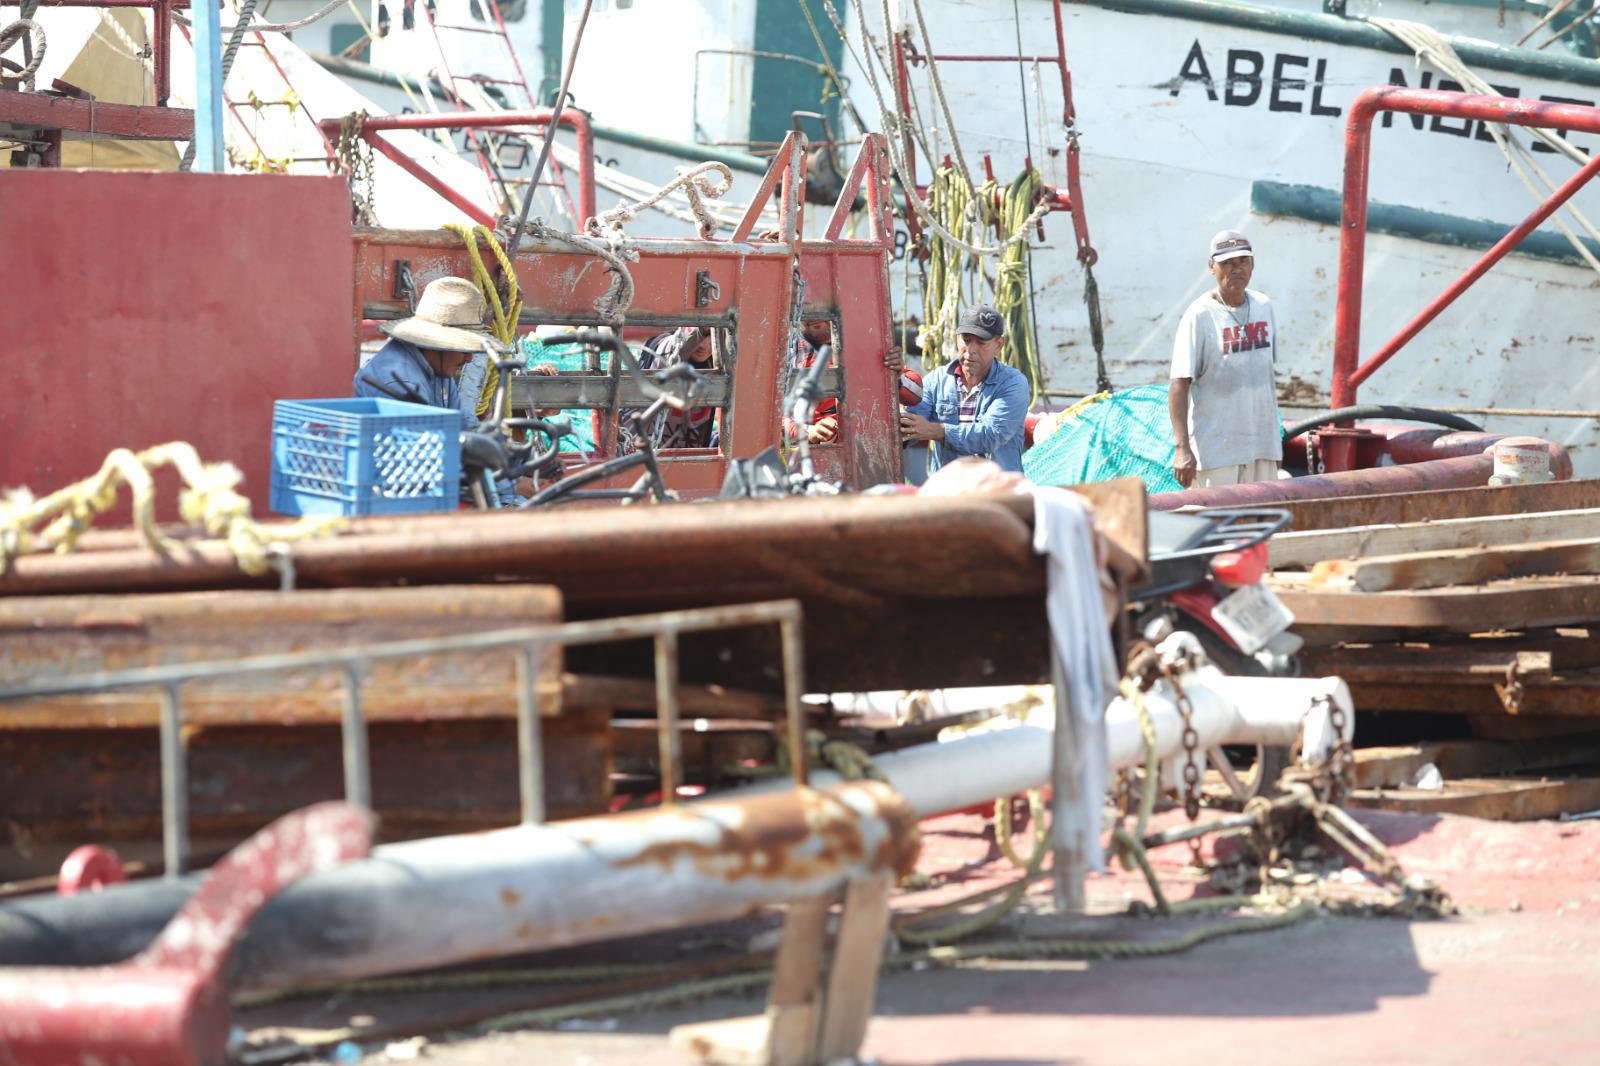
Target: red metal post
(577, 121)
(1353, 222)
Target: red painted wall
(143, 308)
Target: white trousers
(1238, 474)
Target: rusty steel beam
(56, 637)
(849, 549)
(132, 122)
(1458, 473)
(1480, 502)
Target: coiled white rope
(14, 33)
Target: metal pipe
(1501, 248)
(530, 738)
(449, 900)
(956, 774)
(174, 785)
(671, 744)
(353, 741)
(1357, 161)
(208, 141)
(1469, 471)
(431, 180)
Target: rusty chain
(354, 156)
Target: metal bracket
(405, 285)
(705, 290)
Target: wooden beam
(1500, 799)
(1424, 664)
(1402, 507)
(1559, 696)
(1463, 566)
(1396, 766)
(1300, 549)
(1533, 603)
(853, 974)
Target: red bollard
(168, 1006)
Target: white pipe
(968, 770)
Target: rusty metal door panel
(853, 283)
(47, 638)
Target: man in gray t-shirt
(1223, 401)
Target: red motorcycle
(1207, 576)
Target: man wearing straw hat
(424, 359)
(427, 352)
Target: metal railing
(1347, 376)
(354, 663)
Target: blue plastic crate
(364, 456)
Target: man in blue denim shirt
(976, 405)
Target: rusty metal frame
(1347, 376)
(160, 42)
(905, 55)
(755, 298)
(527, 641)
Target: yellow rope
(504, 314)
(1011, 297)
(208, 501)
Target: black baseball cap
(981, 321)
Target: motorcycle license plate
(1252, 616)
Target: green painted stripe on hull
(1311, 203)
(1305, 25)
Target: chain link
(355, 161)
(1314, 463)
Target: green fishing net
(1126, 433)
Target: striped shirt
(968, 409)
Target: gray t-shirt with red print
(1228, 355)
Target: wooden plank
(1465, 566)
(1500, 799)
(1403, 507)
(1575, 694)
(1527, 603)
(853, 977)
(1304, 548)
(1424, 663)
(1393, 767)
(745, 1041)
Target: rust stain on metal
(510, 897)
(770, 841)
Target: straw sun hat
(449, 318)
